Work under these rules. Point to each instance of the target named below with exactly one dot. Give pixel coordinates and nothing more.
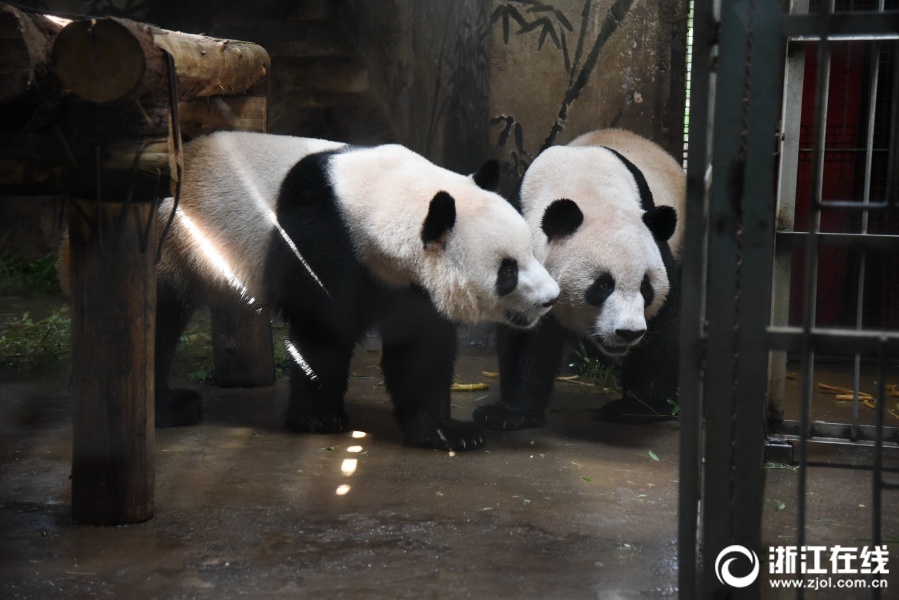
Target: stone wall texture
(565, 67)
(464, 79)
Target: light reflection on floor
(349, 465)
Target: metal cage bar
(749, 64)
(692, 282)
(722, 311)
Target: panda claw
(449, 436)
(499, 417)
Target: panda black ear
(561, 218)
(441, 218)
(487, 177)
(661, 220)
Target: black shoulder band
(646, 200)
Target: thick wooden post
(93, 115)
(113, 295)
(242, 347)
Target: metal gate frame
(730, 239)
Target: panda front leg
(174, 407)
(418, 354)
(319, 365)
(528, 363)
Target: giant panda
(342, 239)
(603, 213)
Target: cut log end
(99, 60)
(25, 40)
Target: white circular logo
(722, 569)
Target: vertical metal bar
(877, 475)
(892, 187)
(822, 85)
(692, 288)
(791, 120)
(866, 199)
(755, 274)
(723, 246)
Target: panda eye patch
(647, 291)
(507, 277)
(600, 290)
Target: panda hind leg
(174, 407)
(418, 354)
(319, 368)
(528, 363)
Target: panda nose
(630, 335)
(550, 302)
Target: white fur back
(228, 196)
(663, 174)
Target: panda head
(479, 263)
(414, 223)
(605, 250)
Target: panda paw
(304, 422)
(631, 411)
(449, 435)
(178, 408)
(499, 417)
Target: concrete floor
(577, 509)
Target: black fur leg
(419, 349)
(528, 363)
(178, 408)
(318, 382)
(502, 417)
(302, 420)
(632, 411)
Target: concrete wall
(464, 79)
(561, 68)
(429, 66)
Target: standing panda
(342, 239)
(603, 213)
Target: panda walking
(341, 240)
(603, 213)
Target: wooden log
(242, 347)
(38, 162)
(111, 59)
(120, 149)
(25, 41)
(113, 295)
(202, 116)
